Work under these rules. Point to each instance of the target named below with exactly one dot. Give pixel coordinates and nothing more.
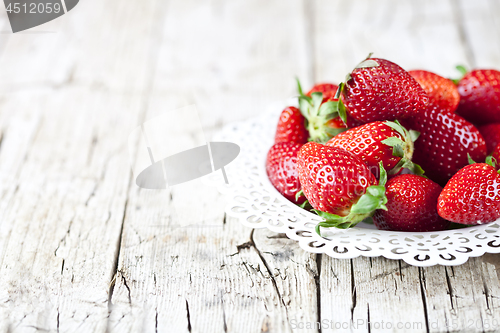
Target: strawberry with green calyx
(338, 185)
(327, 89)
(378, 89)
(281, 167)
(319, 107)
(411, 205)
(440, 90)
(374, 198)
(387, 142)
(472, 196)
(291, 127)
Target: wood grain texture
(82, 249)
(223, 276)
(65, 166)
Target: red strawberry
(491, 134)
(411, 205)
(480, 96)
(291, 127)
(441, 91)
(387, 142)
(327, 89)
(444, 142)
(281, 167)
(320, 107)
(338, 185)
(378, 89)
(472, 196)
(496, 154)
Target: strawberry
(291, 127)
(338, 185)
(378, 89)
(387, 142)
(491, 134)
(319, 107)
(472, 196)
(281, 167)
(327, 89)
(441, 91)
(444, 142)
(496, 153)
(411, 205)
(480, 96)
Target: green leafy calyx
(373, 199)
(318, 114)
(403, 148)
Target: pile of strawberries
(408, 151)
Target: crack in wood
(421, 278)
(96, 185)
(353, 291)
(369, 326)
(486, 291)
(188, 316)
(156, 320)
(126, 286)
(400, 271)
(224, 323)
(271, 276)
(117, 254)
(450, 289)
(65, 236)
(317, 280)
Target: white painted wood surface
(82, 249)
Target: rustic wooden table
(83, 249)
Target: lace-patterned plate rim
(257, 204)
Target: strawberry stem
(373, 199)
(463, 70)
(470, 160)
(403, 148)
(318, 114)
(490, 160)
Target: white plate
(258, 204)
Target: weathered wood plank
(60, 228)
(232, 59)
(65, 179)
(79, 91)
(215, 275)
(413, 34)
(424, 35)
(480, 24)
(463, 298)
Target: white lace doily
(257, 204)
